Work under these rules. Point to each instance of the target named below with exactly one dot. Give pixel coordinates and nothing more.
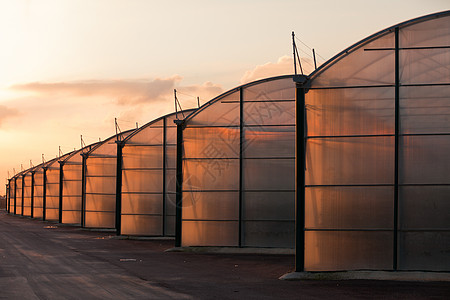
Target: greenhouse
(238, 168)
(38, 191)
(71, 168)
(374, 194)
(147, 181)
(99, 183)
(27, 203)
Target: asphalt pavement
(42, 260)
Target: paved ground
(40, 260)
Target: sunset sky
(69, 67)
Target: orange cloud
(284, 66)
(6, 112)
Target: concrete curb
(233, 250)
(369, 275)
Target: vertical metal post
(83, 191)
(9, 196)
(61, 178)
(293, 53)
(119, 188)
(300, 152)
(44, 194)
(15, 195)
(314, 56)
(32, 194)
(397, 140)
(23, 194)
(179, 188)
(241, 150)
(164, 191)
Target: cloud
(6, 112)
(284, 66)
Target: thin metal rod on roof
(43, 159)
(137, 125)
(198, 102)
(177, 104)
(14, 171)
(82, 142)
(60, 152)
(296, 55)
(31, 164)
(314, 56)
(21, 167)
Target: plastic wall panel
(351, 111)
(272, 234)
(142, 204)
(265, 205)
(141, 225)
(101, 185)
(38, 196)
(142, 157)
(428, 251)
(269, 174)
(425, 109)
(171, 200)
(281, 89)
(100, 219)
(142, 181)
(19, 195)
(358, 160)
(349, 207)
(424, 207)
(269, 113)
(211, 174)
(71, 188)
(207, 233)
(71, 217)
(101, 166)
(210, 206)
(150, 135)
(170, 225)
(432, 33)
(425, 66)
(171, 181)
(419, 156)
(224, 112)
(171, 134)
(72, 172)
(71, 203)
(348, 250)
(52, 214)
(27, 195)
(100, 202)
(211, 142)
(265, 141)
(362, 67)
(171, 156)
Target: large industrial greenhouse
(348, 166)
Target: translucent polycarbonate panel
(211, 142)
(356, 160)
(426, 66)
(71, 203)
(171, 204)
(142, 181)
(269, 113)
(211, 174)
(142, 157)
(362, 67)
(349, 207)
(210, 233)
(432, 33)
(424, 159)
(150, 135)
(52, 189)
(100, 219)
(171, 181)
(269, 141)
(52, 202)
(72, 172)
(71, 217)
(100, 202)
(224, 112)
(19, 195)
(279, 89)
(142, 204)
(101, 166)
(350, 111)
(427, 251)
(269, 174)
(52, 176)
(170, 226)
(141, 225)
(38, 196)
(210, 206)
(171, 135)
(348, 250)
(268, 205)
(27, 195)
(101, 185)
(71, 187)
(424, 207)
(171, 156)
(52, 214)
(425, 109)
(273, 234)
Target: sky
(68, 68)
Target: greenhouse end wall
(377, 167)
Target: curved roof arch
(233, 90)
(79, 151)
(371, 38)
(143, 127)
(123, 134)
